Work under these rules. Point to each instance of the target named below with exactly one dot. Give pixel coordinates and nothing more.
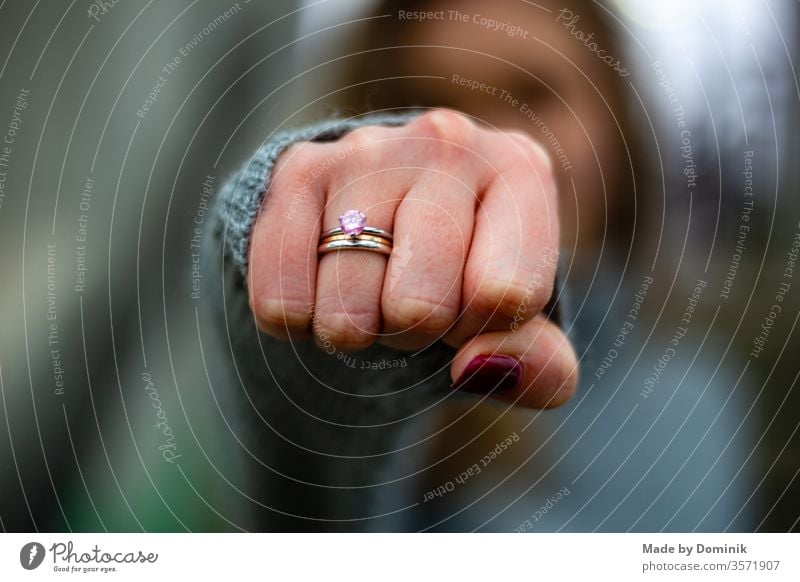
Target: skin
(461, 199)
(477, 209)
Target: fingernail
(490, 373)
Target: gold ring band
(376, 239)
(354, 244)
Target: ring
(353, 223)
(369, 237)
(353, 234)
(354, 244)
(367, 230)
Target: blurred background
(674, 131)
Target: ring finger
(347, 311)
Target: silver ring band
(367, 230)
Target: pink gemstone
(353, 222)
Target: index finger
(510, 269)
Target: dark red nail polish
(490, 373)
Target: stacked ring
(366, 230)
(353, 234)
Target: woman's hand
(475, 224)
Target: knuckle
(534, 152)
(298, 167)
(364, 141)
(418, 315)
(275, 314)
(345, 331)
(359, 151)
(495, 298)
(446, 126)
(300, 158)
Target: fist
(473, 212)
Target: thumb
(534, 366)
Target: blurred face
(539, 70)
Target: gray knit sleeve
(241, 196)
